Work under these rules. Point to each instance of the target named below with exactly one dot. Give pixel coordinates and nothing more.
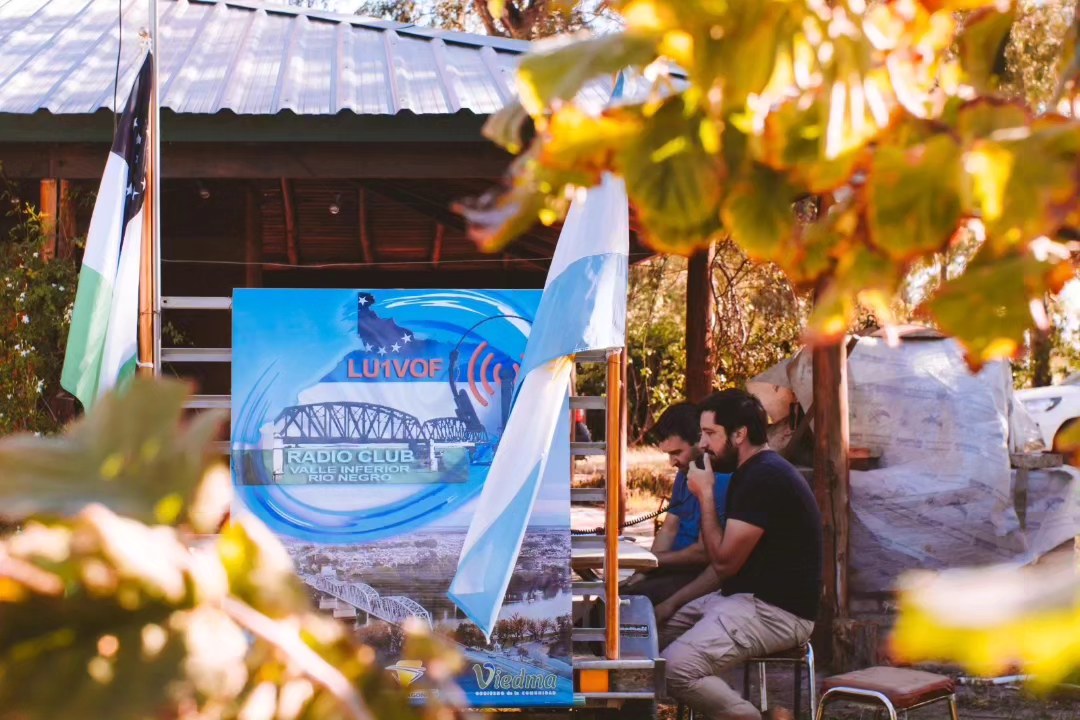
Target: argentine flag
(583, 308)
(102, 342)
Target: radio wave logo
(489, 376)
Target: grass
(649, 476)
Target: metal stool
(896, 689)
(800, 656)
(797, 656)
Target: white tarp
(943, 495)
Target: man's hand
(664, 612)
(701, 482)
(635, 578)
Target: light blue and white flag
(583, 308)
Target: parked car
(1054, 407)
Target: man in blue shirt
(678, 546)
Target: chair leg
(953, 711)
(746, 679)
(797, 704)
(811, 681)
(762, 688)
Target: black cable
(634, 521)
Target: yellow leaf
(914, 197)
(497, 8)
(673, 182)
(982, 47)
(987, 308)
(559, 74)
(759, 214)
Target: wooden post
(699, 310)
(367, 251)
(831, 488)
(65, 222)
(49, 208)
(253, 240)
(292, 245)
(616, 474)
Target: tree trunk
(699, 312)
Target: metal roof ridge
(373, 23)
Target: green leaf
(1024, 183)
(914, 197)
(259, 569)
(87, 609)
(559, 74)
(988, 307)
(862, 274)
(504, 127)
(674, 183)
(128, 453)
(982, 47)
(794, 140)
(979, 119)
(576, 140)
(759, 214)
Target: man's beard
(727, 460)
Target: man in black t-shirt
(767, 555)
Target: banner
(364, 424)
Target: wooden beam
(253, 247)
(367, 251)
(66, 226)
(445, 216)
(48, 208)
(831, 486)
(270, 161)
(292, 246)
(699, 312)
(436, 247)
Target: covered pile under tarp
(943, 494)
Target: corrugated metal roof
(248, 58)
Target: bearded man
(766, 555)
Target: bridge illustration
(363, 423)
(393, 609)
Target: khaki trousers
(712, 634)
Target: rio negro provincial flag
(583, 308)
(102, 343)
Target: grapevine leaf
(674, 182)
(545, 78)
(130, 453)
(982, 47)
(914, 197)
(988, 307)
(1025, 182)
(259, 569)
(759, 213)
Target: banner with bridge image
(363, 426)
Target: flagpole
(150, 265)
(155, 183)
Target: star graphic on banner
(395, 347)
(138, 139)
(368, 347)
(406, 338)
(363, 300)
(130, 190)
(382, 351)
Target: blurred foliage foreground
(118, 600)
